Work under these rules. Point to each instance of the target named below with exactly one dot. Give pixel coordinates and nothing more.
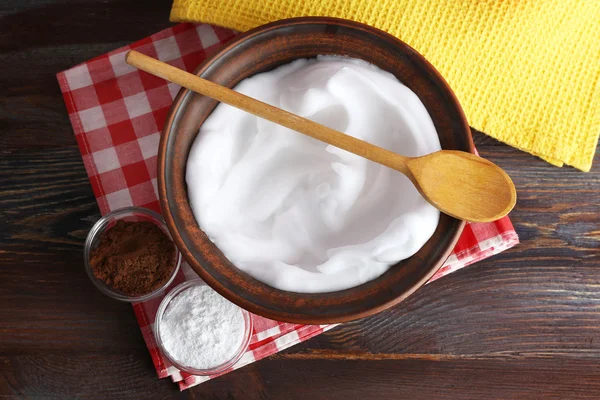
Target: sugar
(200, 329)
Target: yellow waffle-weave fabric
(527, 72)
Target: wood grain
(523, 324)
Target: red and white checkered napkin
(117, 113)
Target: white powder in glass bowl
(200, 329)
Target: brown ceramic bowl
(263, 49)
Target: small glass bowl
(195, 371)
(134, 214)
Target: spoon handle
(268, 112)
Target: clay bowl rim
(196, 265)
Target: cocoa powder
(134, 258)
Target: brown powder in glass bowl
(135, 258)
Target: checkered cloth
(117, 113)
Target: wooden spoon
(457, 183)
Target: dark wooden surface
(523, 324)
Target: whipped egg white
(301, 215)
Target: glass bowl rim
(248, 325)
(100, 226)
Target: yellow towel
(527, 72)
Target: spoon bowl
(463, 185)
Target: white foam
(298, 214)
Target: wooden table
(524, 324)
